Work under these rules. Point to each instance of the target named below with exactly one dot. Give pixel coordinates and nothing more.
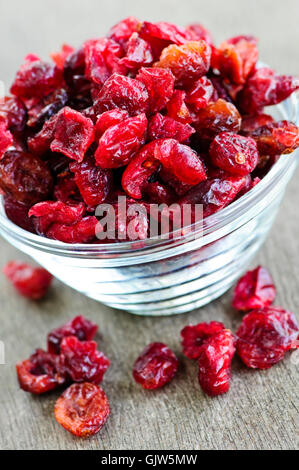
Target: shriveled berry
(214, 363)
(93, 182)
(138, 53)
(193, 337)
(132, 224)
(100, 58)
(36, 78)
(164, 127)
(66, 189)
(276, 138)
(199, 32)
(13, 111)
(80, 327)
(120, 143)
(217, 117)
(83, 231)
(74, 72)
(73, 135)
(30, 281)
(109, 119)
(82, 409)
(177, 108)
(17, 212)
(60, 57)
(265, 88)
(50, 212)
(253, 122)
(123, 93)
(265, 336)
(6, 139)
(200, 94)
(187, 62)
(155, 367)
(168, 32)
(39, 374)
(25, 177)
(40, 142)
(160, 86)
(122, 31)
(81, 361)
(234, 153)
(46, 108)
(254, 290)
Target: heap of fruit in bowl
(152, 111)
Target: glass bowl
(165, 277)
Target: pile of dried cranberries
(152, 111)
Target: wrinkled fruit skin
(81, 362)
(254, 290)
(29, 281)
(80, 327)
(39, 374)
(193, 336)
(265, 335)
(155, 367)
(82, 409)
(214, 363)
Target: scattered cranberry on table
(30, 281)
(254, 290)
(152, 111)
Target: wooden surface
(261, 409)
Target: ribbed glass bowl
(164, 277)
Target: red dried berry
(193, 337)
(177, 108)
(46, 108)
(80, 327)
(276, 138)
(82, 409)
(200, 94)
(81, 362)
(17, 212)
(168, 32)
(29, 281)
(265, 335)
(123, 93)
(214, 363)
(40, 143)
(101, 55)
(50, 212)
(74, 72)
(164, 127)
(265, 88)
(187, 62)
(234, 153)
(36, 78)
(160, 86)
(120, 143)
(138, 53)
(6, 139)
(200, 33)
(60, 57)
(13, 111)
(74, 133)
(109, 119)
(253, 122)
(217, 117)
(122, 31)
(83, 231)
(132, 224)
(39, 374)
(25, 177)
(66, 190)
(254, 290)
(155, 367)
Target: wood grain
(261, 409)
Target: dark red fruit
(39, 374)
(120, 143)
(122, 31)
(193, 337)
(6, 139)
(29, 281)
(164, 127)
(74, 133)
(160, 86)
(17, 212)
(217, 117)
(101, 56)
(214, 363)
(83, 231)
(276, 138)
(50, 212)
(254, 290)
(82, 409)
(265, 336)
(138, 54)
(109, 119)
(155, 367)
(234, 153)
(79, 326)
(81, 362)
(13, 111)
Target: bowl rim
(289, 109)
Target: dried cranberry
(234, 153)
(193, 336)
(81, 362)
(14, 113)
(39, 374)
(93, 182)
(200, 33)
(66, 190)
(74, 72)
(100, 57)
(60, 57)
(160, 86)
(17, 212)
(132, 225)
(158, 193)
(29, 281)
(254, 290)
(265, 335)
(265, 88)
(36, 78)
(187, 62)
(164, 127)
(74, 133)
(122, 31)
(200, 94)
(120, 143)
(123, 93)
(79, 326)
(49, 212)
(82, 409)
(164, 31)
(177, 108)
(83, 231)
(109, 119)
(47, 107)
(253, 122)
(214, 363)
(40, 143)
(138, 53)
(155, 367)
(25, 177)
(217, 117)
(6, 139)
(276, 138)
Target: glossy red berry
(193, 337)
(30, 281)
(254, 290)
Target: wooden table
(260, 411)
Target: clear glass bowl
(165, 277)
